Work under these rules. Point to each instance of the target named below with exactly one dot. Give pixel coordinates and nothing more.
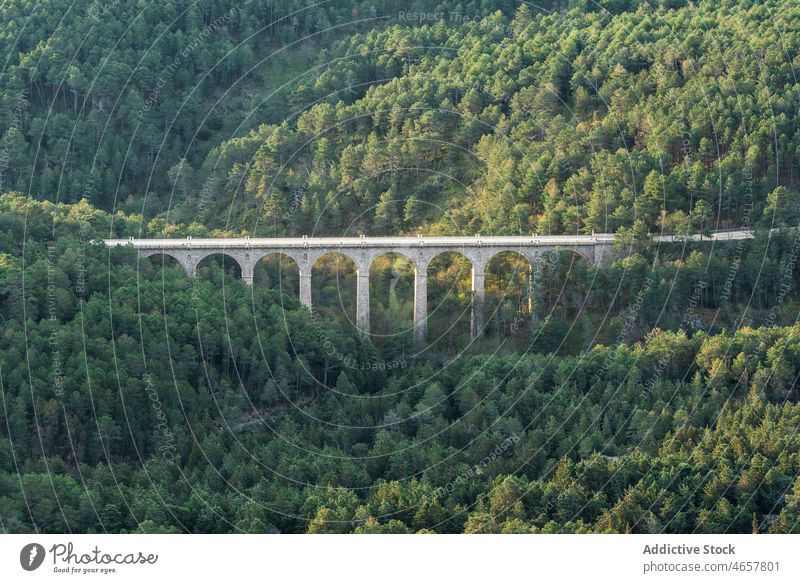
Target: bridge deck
(351, 242)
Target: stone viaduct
(595, 249)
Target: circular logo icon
(31, 556)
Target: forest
(658, 395)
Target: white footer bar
(406, 558)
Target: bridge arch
(451, 285)
(277, 270)
(581, 251)
(164, 260)
(335, 291)
(392, 276)
(400, 253)
(559, 275)
(509, 291)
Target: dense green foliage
(677, 120)
(507, 119)
(136, 399)
(101, 100)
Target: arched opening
(219, 263)
(449, 301)
(333, 288)
(562, 280)
(392, 304)
(509, 298)
(164, 261)
(279, 272)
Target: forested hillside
(656, 395)
(413, 117)
(136, 399)
(101, 99)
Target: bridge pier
(305, 286)
(362, 300)
(478, 297)
(530, 288)
(246, 265)
(536, 262)
(247, 275)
